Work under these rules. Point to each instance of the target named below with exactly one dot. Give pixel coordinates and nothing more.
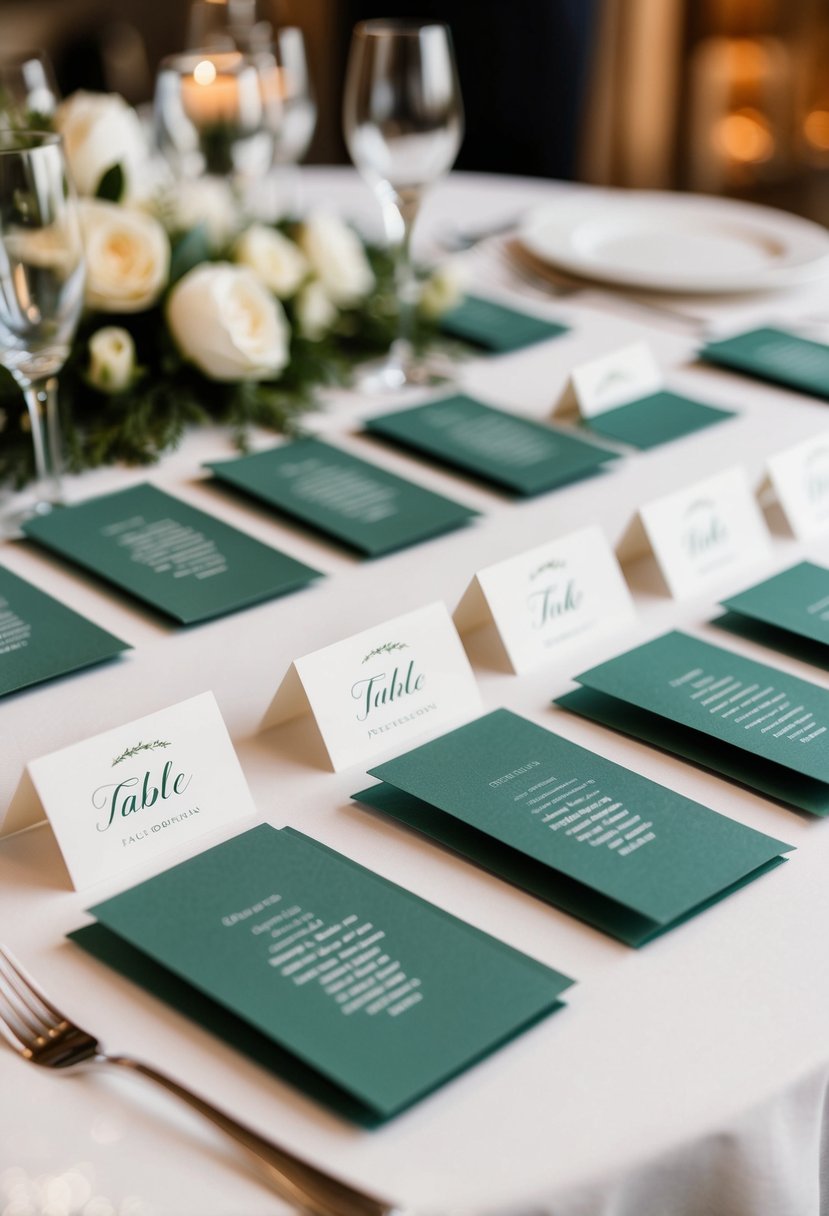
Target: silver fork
(40, 1033)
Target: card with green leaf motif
(742, 719)
(172, 556)
(603, 843)
(358, 503)
(41, 638)
(513, 453)
(348, 985)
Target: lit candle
(211, 93)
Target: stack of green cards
(496, 328)
(789, 612)
(40, 638)
(514, 454)
(658, 418)
(741, 719)
(354, 501)
(351, 987)
(172, 556)
(773, 354)
(619, 851)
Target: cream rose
(206, 201)
(277, 261)
(442, 290)
(315, 313)
(228, 324)
(127, 257)
(337, 257)
(111, 359)
(99, 131)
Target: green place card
(354, 988)
(514, 454)
(349, 499)
(773, 354)
(170, 555)
(741, 719)
(789, 612)
(605, 844)
(496, 328)
(655, 419)
(41, 638)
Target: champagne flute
(403, 124)
(41, 292)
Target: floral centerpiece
(195, 314)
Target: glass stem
(407, 203)
(42, 403)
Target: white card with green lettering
(550, 599)
(798, 478)
(381, 688)
(699, 534)
(124, 797)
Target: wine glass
(403, 123)
(42, 273)
(28, 93)
(210, 115)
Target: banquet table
(689, 1076)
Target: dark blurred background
(721, 96)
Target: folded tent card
(621, 396)
(797, 479)
(168, 554)
(350, 987)
(355, 502)
(381, 687)
(549, 600)
(41, 638)
(514, 454)
(603, 843)
(699, 534)
(124, 797)
(739, 718)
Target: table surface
(655, 1047)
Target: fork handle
(300, 1183)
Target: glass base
(19, 508)
(387, 375)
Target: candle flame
(204, 72)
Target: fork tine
(27, 1024)
(31, 1007)
(11, 1027)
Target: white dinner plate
(676, 242)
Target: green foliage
(111, 185)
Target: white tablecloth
(633, 1099)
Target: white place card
(700, 533)
(798, 478)
(381, 688)
(127, 795)
(550, 599)
(614, 379)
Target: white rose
(442, 290)
(207, 202)
(315, 311)
(100, 130)
(337, 256)
(278, 262)
(111, 359)
(228, 324)
(127, 257)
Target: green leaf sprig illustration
(129, 752)
(553, 564)
(386, 648)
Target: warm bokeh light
(745, 137)
(816, 129)
(204, 72)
